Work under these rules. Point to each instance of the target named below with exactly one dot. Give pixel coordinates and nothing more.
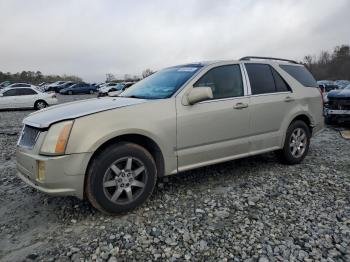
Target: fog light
(41, 170)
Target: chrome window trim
(274, 93)
(223, 99)
(244, 70)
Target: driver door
(215, 130)
(9, 99)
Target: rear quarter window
(301, 74)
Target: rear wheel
(40, 105)
(296, 144)
(121, 178)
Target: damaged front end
(338, 107)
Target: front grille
(28, 137)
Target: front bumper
(63, 175)
(337, 112)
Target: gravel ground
(252, 209)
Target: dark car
(79, 88)
(58, 88)
(338, 106)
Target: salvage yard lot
(251, 208)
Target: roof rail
(247, 58)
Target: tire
(70, 93)
(40, 104)
(295, 146)
(110, 179)
(91, 91)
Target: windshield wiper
(138, 97)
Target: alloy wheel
(125, 180)
(298, 142)
(41, 105)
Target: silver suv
(112, 150)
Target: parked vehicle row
(177, 119)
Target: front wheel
(121, 178)
(296, 144)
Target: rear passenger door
(271, 100)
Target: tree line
(333, 65)
(327, 65)
(36, 77)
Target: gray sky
(90, 38)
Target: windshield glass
(162, 84)
(119, 86)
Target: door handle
(288, 99)
(240, 106)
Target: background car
(338, 106)
(4, 84)
(342, 83)
(20, 85)
(25, 97)
(51, 86)
(103, 91)
(79, 88)
(58, 88)
(326, 86)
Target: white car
(25, 97)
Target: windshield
(162, 84)
(119, 86)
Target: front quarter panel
(155, 119)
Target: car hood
(339, 93)
(44, 118)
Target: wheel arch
(146, 142)
(306, 119)
(302, 117)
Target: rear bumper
(63, 175)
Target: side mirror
(199, 94)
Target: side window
(281, 85)
(26, 92)
(224, 81)
(12, 92)
(301, 74)
(261, 78)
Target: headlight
(56, 139)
